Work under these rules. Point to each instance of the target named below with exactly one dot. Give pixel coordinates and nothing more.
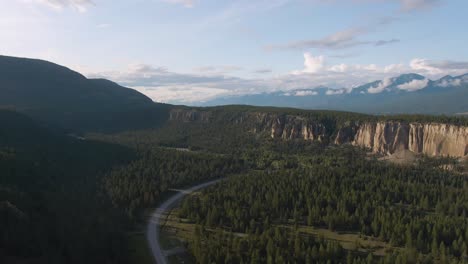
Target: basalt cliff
(385, 137)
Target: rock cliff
(385, 137)
(432, 139)
(287, 126)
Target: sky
(191, 51)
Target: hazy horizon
(183, 51)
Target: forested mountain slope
(65, 199)
(50, 207)
(62, 97)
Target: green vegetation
(416, 208)
(50, 205)
(141, 183)
(60, 192)
(66, 99)
(138, 249)
(69, 199)
(337, 117)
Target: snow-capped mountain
(407, 93)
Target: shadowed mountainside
(62, 97)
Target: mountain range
(65, 99)
(407, 93)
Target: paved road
(152, 231)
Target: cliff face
(287, 126)
(439, 139)
(276, 125)
(431, 139)
(382, 137)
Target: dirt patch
(402, 157)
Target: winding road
(153, 229)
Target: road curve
(152, 230)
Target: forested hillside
(64, 98)
(64, 199)
(418, 211)
(143, 183)
(50, 206)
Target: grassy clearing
(174, 235)
(183, 230)
(351, 241)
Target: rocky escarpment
(287, 126)
(275, 125)
(386, 137)
(431, 139)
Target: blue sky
(187, 51)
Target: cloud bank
(205, 84)
(381, 86)
(414, 85)
(340, 40)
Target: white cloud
(381, 86)
(335, 92)
(163, 85)
(450, 83)
(305, 93)
(395, 68)
(181, 93)
(339, 68)
(263, 71)
(439, 67)
(80, 5)
(341, 39)
(312, 64)
(184, 3)
(414, 85)
(221, 69)
(423, 65)
(386, 42)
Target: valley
(299, 186)
(207, 218)
(233, 132)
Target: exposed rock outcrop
(288, 126)
(431, 139)
(382, 137)
(276, 125)
(386, 137)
